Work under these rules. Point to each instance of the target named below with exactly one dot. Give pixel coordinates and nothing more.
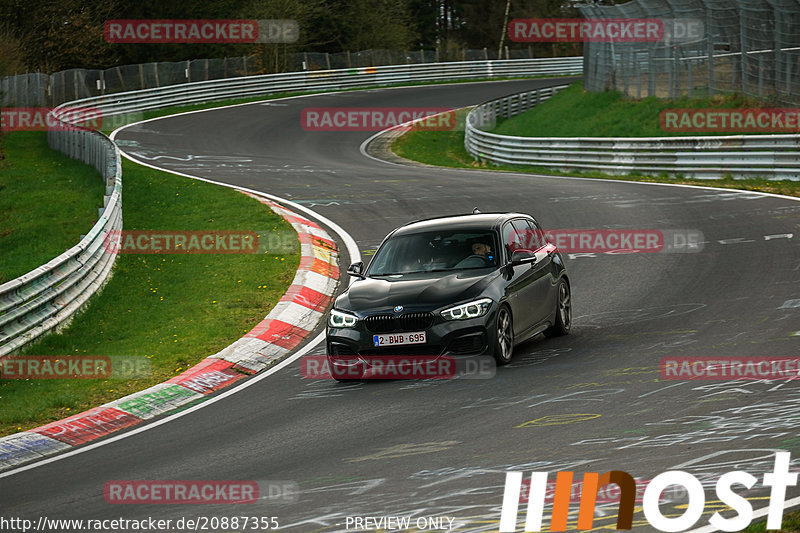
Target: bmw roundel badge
(398, 308)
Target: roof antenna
(475, 211)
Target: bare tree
(64, 34)
(275, 57)
(368, 24)
(504, 30)
(12, 58)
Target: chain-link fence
(67, 85)
(710, 46)
(51, 90)
(366, 58)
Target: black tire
(504, 336)
(563, 311)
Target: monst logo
(779, 479)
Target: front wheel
(504, 336)
(563, 312)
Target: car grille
(405, 322)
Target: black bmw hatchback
(473, 284)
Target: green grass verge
(609, 114)
(171, 309)
(47, 201)
(791, 524)
(446, 149)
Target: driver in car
(482, 248)
(481, 255)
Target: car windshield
(435, 251)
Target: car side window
(526, 236)
(511, 240)
(537, 237)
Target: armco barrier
(741, 156)
(324, 80)
(285, 327)
(40, 300)
(47, 296)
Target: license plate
(398, 339)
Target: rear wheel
(563, 311)
(504, 336)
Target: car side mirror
(520, 257)
(356, 269)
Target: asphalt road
(588, 402)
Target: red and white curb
(300, 309)
(282, 330)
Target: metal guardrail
(49, 295)
(46, 297)
(741, 156)
(321, 80)
(49, 90)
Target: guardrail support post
(710, 46)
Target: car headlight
(468, 310)
(338, 319)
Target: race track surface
(589, 402)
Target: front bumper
(444, 337)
